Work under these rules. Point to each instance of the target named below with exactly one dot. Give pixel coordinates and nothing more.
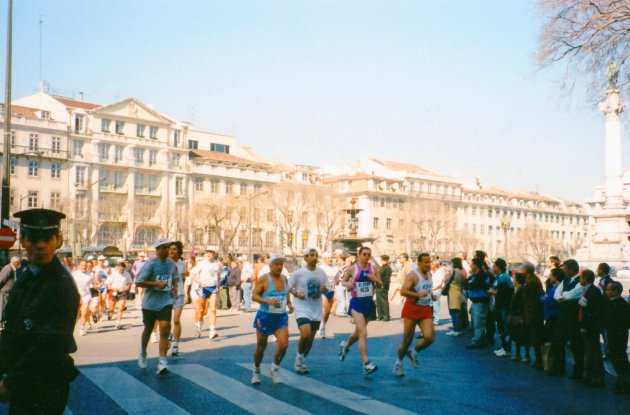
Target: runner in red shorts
(417, 311)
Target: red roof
(72, 103)
(23, 111)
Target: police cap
(39, 223)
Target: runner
(159, 279)
(94, 305)
(175, 252)
(272, 292)
(86, 282)
(359, 280)
(118, 284)
(307, 285)
(417, 311)
(328, 298)
(135, 270)
(101, 271)
(206, 275)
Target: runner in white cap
(206, 274)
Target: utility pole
(6, 157)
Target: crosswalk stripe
(351, 400)
(129, 393)
(246, 397)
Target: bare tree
(292, 203)
(586, 34)
(536, 243)
(329, 217)
(430, 219)
(221, 219)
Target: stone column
(612, 107)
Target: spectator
(502, 291)
(382, 303)
(534, 311)
(603, 272)
(551, 313)
(567, 294)
(590, 316)
(455, 297)
(617, 323)
(439, 278)
(516, 320)
(477, 285)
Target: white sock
(211, 328)
(398, 361)
(198, 324)
(163, 360)
(274, 366)
(175, 343)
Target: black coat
(593, 313)
(38, 324)
(617, 316)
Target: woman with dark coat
(533, 296)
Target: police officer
(38, 322)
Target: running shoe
(451, 333)
(198, 332)
(413, 356)
(322, 333)
(300, 366)
(162, 368)
(256, 377)
(398, 369)
(369, 368)
(274, 372)
(175, 351)
(119, 327)
(142, 360)
(81, 332)
(213, 335)
(500, 353)
(342, 351)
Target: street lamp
(506, 221)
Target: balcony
(111, 188)
(112, 217)
(16, 150)
(146, 191)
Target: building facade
(125, 174)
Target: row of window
(119, 128)
(541, 217)
(35, 142)
(32, 200)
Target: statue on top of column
(613, 74)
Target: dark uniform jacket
(38, 323)
(591, 317)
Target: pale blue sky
(449, 85)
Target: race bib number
(281, 307)
(313, 289)
(364, 289)
(166, 278)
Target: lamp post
(6, 156)
(506, 221)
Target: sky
(452, 86)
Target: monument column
(612, 107)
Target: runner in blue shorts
(272, 292)
(360, 280)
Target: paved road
(213, 376)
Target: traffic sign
(7, 238)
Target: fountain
(352, 242)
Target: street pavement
(214, 376)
